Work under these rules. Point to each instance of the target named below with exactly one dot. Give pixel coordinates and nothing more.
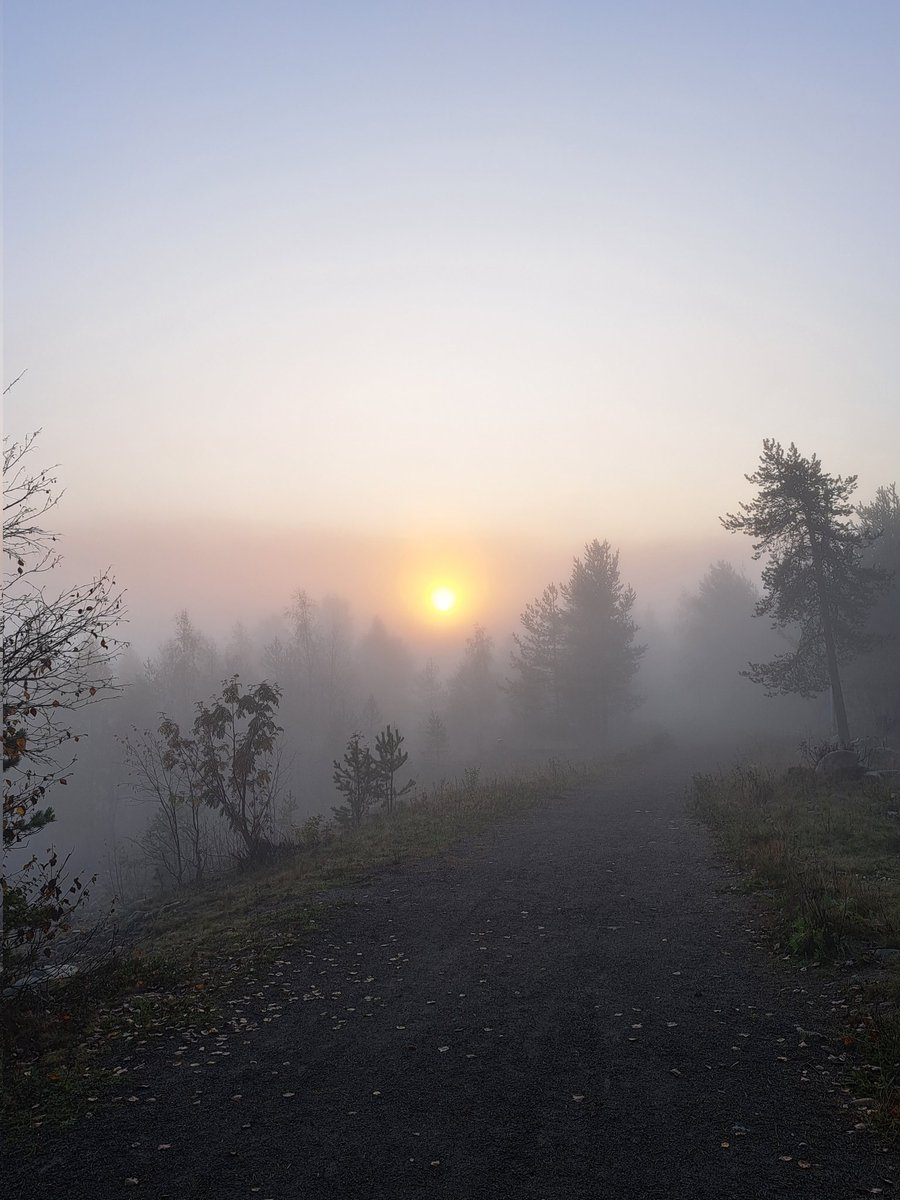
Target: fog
(507, 305)
(325, 619)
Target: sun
(443, 599)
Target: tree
(434, 740)
(58, 653)
(877, 676)
(186, 666)
(356, 779)
(165, 767)
(429, 687)
(474, 694)
(536, 691)
(390, 759)
(814, 580)
(600, 653)
(716, 635)
(384, 668)
(237, 762)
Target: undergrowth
(826, 855)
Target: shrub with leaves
(165, 768)
(237, 761)
(58, 651)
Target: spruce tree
(536, 690)
(600, 655)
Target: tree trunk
(837, 691)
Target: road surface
(573, 1004)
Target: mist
(451, 599)
(324, 618)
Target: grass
(826, 856)
(59, 1043)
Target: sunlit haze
(451, 599)
(364, 298)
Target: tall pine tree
(600, 654)
(536, 689)
(815, 579)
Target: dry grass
(827, 856)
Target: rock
(883, 758)
(44, 976)
(840, 764)
(885, 776)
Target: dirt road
(571, 1005)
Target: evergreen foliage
(391, 759)
(876, 675)
(356, 778)
(816, 582)
(601, 655)
(576, 661)
(435, 740)
(474, 699)
(536, 691)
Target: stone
(840, 764)
(883, 758)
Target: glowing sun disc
(443, 599)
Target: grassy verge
(60, 1044)
(826, 855)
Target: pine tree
(877, 676)
(536, 691)
(435, 740)
(600, 655)
(814, 579)
(390, 758)
(475, 695)
(355, 778)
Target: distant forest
(205, 754)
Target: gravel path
(570, 1005)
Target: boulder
(883, 758)
(840, 764)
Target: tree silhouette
(815, 579)
(601, 656)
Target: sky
(363, 297)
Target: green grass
(826, 855)
(59, 1045)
